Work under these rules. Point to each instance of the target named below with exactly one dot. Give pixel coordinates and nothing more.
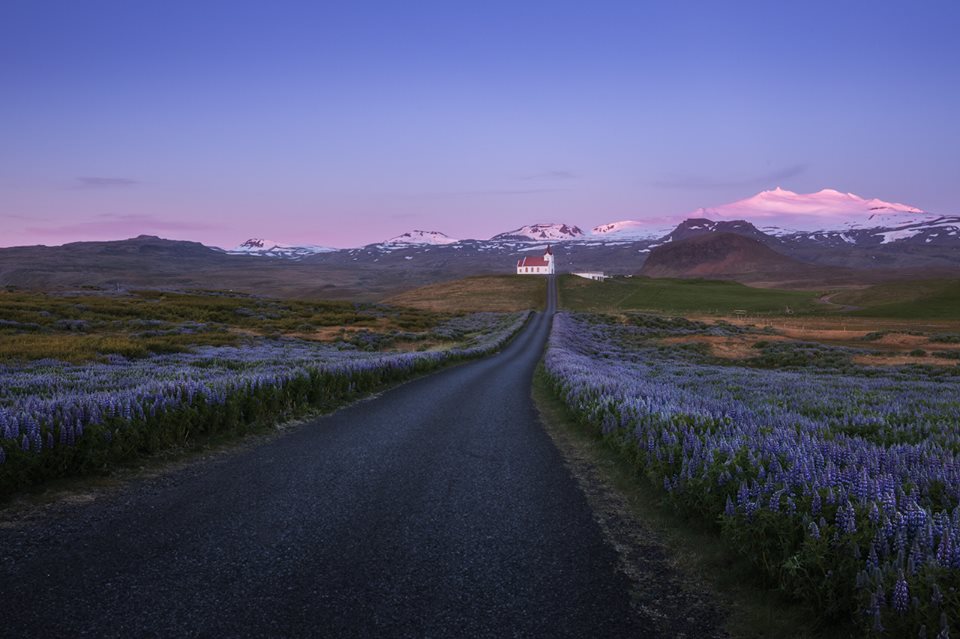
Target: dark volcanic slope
(719, 255)
(439, 509)
(744, 259)
(695, 227)
(147, 262)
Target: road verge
(653, 538)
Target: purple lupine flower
(872, 560)
(862, 580)
(945, 549)
(886, 528)
(774, 503)
(901, 595)
(877, 623)
(847, 519)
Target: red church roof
(532, 261)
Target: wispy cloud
(485, 193)
(706, 183)
(105, 183)
(25, 218)
(114, 225)
(511, 191)
(551, 175)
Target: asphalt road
(439, 509)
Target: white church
(536, 265)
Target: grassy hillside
(482, 293)
(80, 327)
(923, 299)
(679, 296)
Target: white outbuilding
(599, 277)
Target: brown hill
(151, 262)
(737, 257)
(714, 255)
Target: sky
(345, 123)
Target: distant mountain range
(827, 218)
(801, 243)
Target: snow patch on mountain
(899, 234)
(269, 248)
(538, 232)
(418, 237)
(631, 230)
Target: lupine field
(59, 418)
(840, 482)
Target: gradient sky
(343, 123)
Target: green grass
(87, 326)
(232, 309)
(675, 296)
(503, 293)
(920, 299)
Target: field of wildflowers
(59, 418)
(841, 482)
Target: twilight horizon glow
(345, 124)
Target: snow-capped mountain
(269, 248)
(631, 230)
(537, 232)
(781, 212)
(828, 217)
(422, 237)
(828, 228)
(831, 219)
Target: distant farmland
(501, 293)
(680, 296)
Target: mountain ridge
(922, 242)
(542, 231)
(775, 212)
(376, 271)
